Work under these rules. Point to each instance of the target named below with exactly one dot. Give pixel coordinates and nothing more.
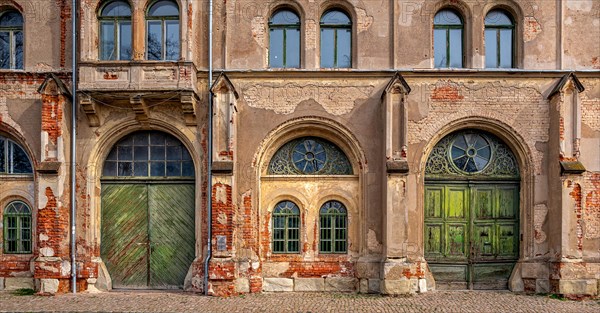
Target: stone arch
(311, 126)
(313, 197)
(95, 162)
(523, 154)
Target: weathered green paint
(124, 246)
(171, 234)
(471, 233)
(147, 234)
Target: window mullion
(12, 48)
(284, 47)
(164, 39)
(447, 47)
(335, 47)
(116, 40)
(498, 48)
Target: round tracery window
(309, 156)
(470, 153)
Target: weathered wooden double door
(147, 233)
(148, 211)
(471, 233)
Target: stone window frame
(162, 19)
(11, 31)
(20, 217)
(448, 28)
(333, 238)
(117, 22)
(516, 14)
(286, 216)
(463, 10)
(348, 9)
(285, 27)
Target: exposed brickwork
(52, 113)
(222, 215)
(447, 92)
(591, 215)
(576, 195)
(53, 224)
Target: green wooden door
(471, 233)
(147, 234)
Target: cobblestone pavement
(439, 301)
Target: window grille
(13, 159)
(17, 228)
(286, 228)
(333, 230)
(309, 156)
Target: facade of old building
(339, 145)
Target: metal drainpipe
(73, 141)
(209, 148)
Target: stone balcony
(133, 84)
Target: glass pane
(497, 17)
(285, 17)
(164, 8)
(157, 139)
(112, 155)
(155, 40)
(335, 18)
(439, 48)
(11, 19)
(344, 46)
(455, 48)
(506, 48)
(174, 153)
(185, 154)
(125, 40)
(157, 153)
(4, 50)
(2, 159)
(327, 47)
(447, 17)
(140, 169)
(110, 168)
(140, 139)
(125, 153)
(157, 168)
(276, 48)
(107, 40)
(172, 44)
(187, 168)
(125, 168)
(491, 48)
(18, 49)
(116, 8)
(173, 168)
(20, 161)
(140, 153)
(292, 48)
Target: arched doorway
(148, 211)
(471, 211)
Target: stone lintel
(571, 167)
(49, 167)
(397, 166)
(222, 167)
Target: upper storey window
(13, 159)
(115, 31)
(336, 40)
(284, 40)
(448, 39)
(11, 40)
(499, 34)
(163, 31)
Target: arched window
(145, 154)
(11, 40)
(284, 40)
(336, 40)
(309, 156)
(13, 159)
(115, 31)
(286, 228)
(333, 230)
(163, 31)
(499, 40)
(17, 228)
(448, 39)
